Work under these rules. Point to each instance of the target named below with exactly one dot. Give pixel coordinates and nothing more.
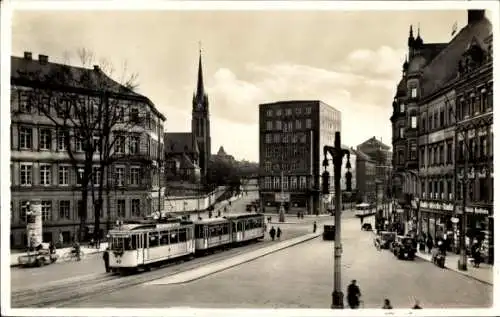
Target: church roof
(186, 162)
(180, 142)
(221, 151)
(444, 67)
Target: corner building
(291, 139)
(443, 110)
(41, 168)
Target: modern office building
(291, 139)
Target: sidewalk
(60, 252)
(484, 273)
(219, 266)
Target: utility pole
(337, 154)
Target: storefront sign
(448, 207)
(282, 197)
(480, 211)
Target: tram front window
(118, 244)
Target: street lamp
(337, 154)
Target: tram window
(164, 238)
(225, 229)
(174, 238)
(239, 226)
(198, 232)
(213, 231)
(182, 235)
(234, 227)
(153, 239)
(128, 244)
(133, 241)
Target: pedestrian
(278, 233)
(417, 305)
(272, 232)
(387, 304)
(52, 248)
(218, 213)
(361, 219)
(315, 226)
(430, 243)
(61, 239)
(353, 295)
(210, 214)
(105, 257)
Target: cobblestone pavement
(302, 277)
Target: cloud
(361, 86)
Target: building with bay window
(442, 112)
(41, 168)
(291, 139)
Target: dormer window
(414, 92)
(402, 107)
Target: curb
(245, 261)
(446, 267)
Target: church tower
(200, 123)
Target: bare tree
(92, 115)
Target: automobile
(367, 227)
(386, 238)
(37, 258)
(329, 232)
(404, 248)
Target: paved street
(302, 277)
(22, 278)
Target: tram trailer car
(246, 227)
(212, 233)
(140, 246)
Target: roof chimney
(474, 16)
(43, 59)
(97, 68)
(28, 55)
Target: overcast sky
(350, 60)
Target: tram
(143, 244)
(364, 209)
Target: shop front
(434, 219)
(480, 227)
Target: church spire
(200, 89)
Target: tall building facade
(291, 139)
(188, 153)
(381, 155)
(366, 174)
(442, 113)
(41, 168)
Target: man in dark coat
(105, 257)
(272, 232)
(278, 233)
(353, 295)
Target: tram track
(66, 294)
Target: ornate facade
(441, 112)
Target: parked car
(404, 248)
(386, 239)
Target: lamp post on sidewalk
(337, 154)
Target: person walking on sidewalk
(272, 232)
(105, 257)
(315, 226)
(278, 233)
(430, 243)
(387, 304)
(353, 295)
